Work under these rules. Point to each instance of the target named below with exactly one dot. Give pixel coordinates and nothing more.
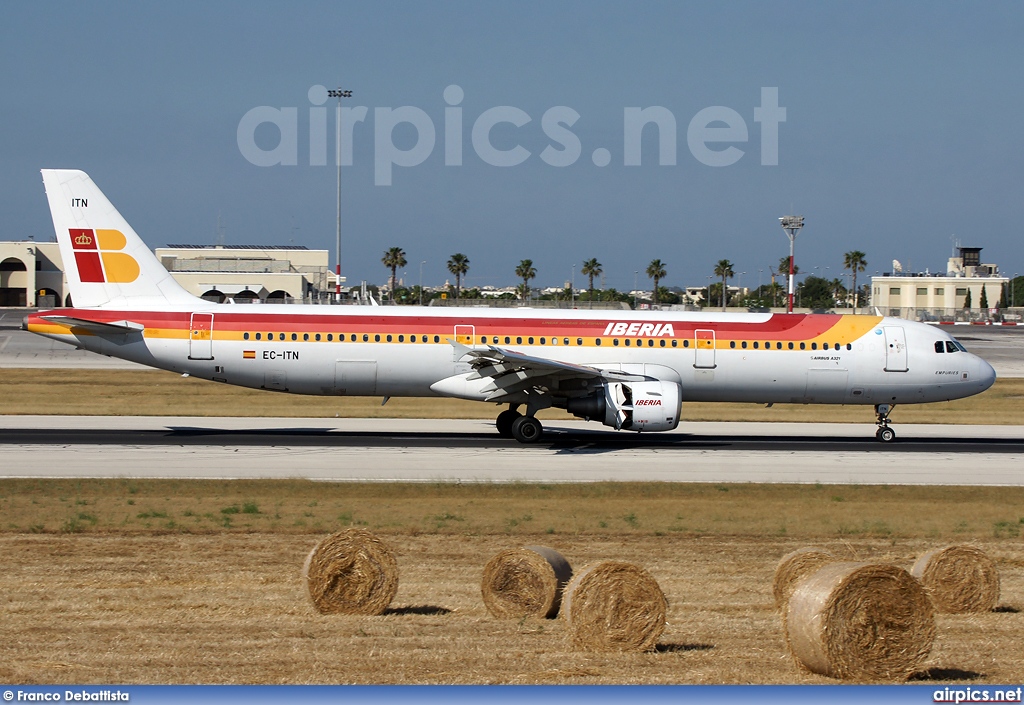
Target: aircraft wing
(96, 326)
(510, 371)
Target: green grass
(597, 509)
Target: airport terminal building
(956, 295)
(32, 273)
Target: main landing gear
(884, 433)
(525, 429)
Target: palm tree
(394, 258)
(458, 264)
(592, 268)
(526, 272)
(724, 270)
(656, 271)
(854, 261)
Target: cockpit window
(959, 345)
(950, 346)
(939, 347)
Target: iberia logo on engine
(99, 259)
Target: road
(418, 450)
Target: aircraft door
(464, 336)
(200, 339)
(895, 349)
(704, 349)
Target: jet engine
(652, 405)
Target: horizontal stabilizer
(97, 326)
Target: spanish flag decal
(248, 354)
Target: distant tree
(526, 272)
(393, 259)
(591, 268)
(656, 271)
(784, 267)
(983, 302)
(1002, 297)
(816, 293)
(855, 261)
(724, 270)
(667, 296)
(967, 300)
(458, 264)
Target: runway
(416, 450)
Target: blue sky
(900, 132)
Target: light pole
(791, 224)
(338, 93)
(709, 290)
(635, 273)
(572, 285)
(740, 292)
(421, 281)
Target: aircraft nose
(985, 374)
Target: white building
(32, 273)
(927, 296)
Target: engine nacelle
(651, 405)
(643, 406)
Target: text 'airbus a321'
(628, 370)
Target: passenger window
(849, 346)
(663, 342)
(245, 336)
(950, 347)
(554, 341)
(778, 345)
(437, 339)
(650, 343)
(755, 345)
(824, 346)
(814, 346)
(295, 336)
(330, 337)
(543, 341)
(507, 340)
(743, 345)
(732, 343)
(615, 341)
(318, 337)
(366, 337)
(305, 336)
(579, 341)
(565, 341)
(401, 339)
(519, 340)
(673, 343)
(597, 342)
(389, 337)
(353, 338)
(257, 336)
(803, 346)
(376, 338)
(686, 343)
(530, 340)
(791, 346)
(628, 342)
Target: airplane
(629, 370)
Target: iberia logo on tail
(99, 257)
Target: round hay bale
(525, 582)
(793, 567)
(959, 579)
(351, 572)
(614, 606)
(860, 621)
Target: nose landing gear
(884, 433)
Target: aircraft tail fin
(105, 261)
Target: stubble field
(199, 582)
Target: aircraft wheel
(504, 422)
(885, 435)
(527, 429)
